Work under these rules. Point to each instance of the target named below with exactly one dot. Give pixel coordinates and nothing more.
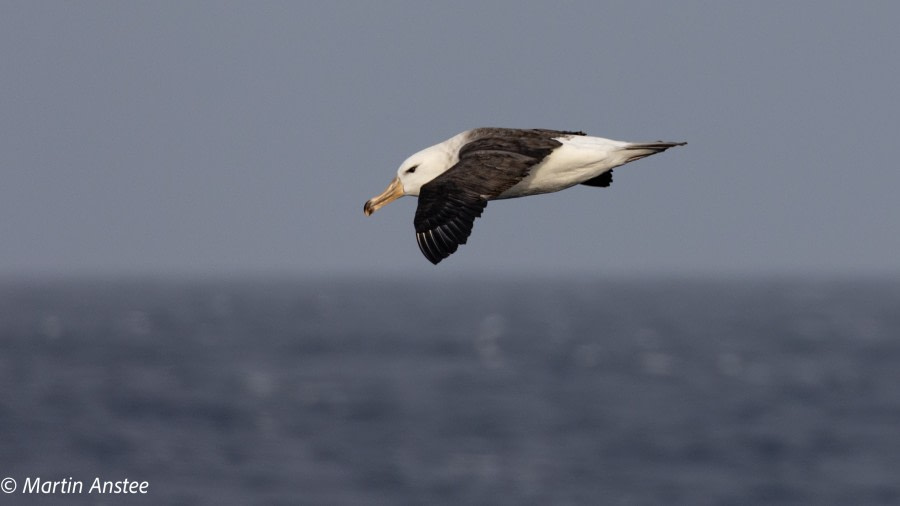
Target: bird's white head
(422, 167)
(414, 172)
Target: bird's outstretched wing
(487, 167)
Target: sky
(183, 137)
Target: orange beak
(394, 191)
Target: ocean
(464, 392)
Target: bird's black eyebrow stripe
(412, 169)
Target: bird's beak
(394, 191)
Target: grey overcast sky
(180, 137)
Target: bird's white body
(578, 159)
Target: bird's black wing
(487, 167)
(602, 181)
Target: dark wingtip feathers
(434, 246)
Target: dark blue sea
(464, 392)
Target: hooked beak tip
(393, 192)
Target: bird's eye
(412, 169)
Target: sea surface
(464, 392)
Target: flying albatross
(455, 179)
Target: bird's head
(413, 173)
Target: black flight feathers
(602, 181)
(489, 164)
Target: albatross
(454, 180)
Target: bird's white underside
(579, 159)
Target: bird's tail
(638, 150)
